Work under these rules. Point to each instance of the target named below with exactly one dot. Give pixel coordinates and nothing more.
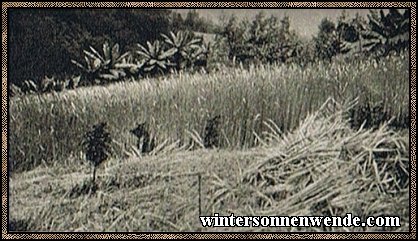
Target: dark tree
(97, 146)
(177, 22)
(326, 42)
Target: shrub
(97, 146)
(145, 142)
(211, 134)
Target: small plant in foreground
(369, 116)
(211, 135)
(19, 225)
(97, 146)
(145, 143)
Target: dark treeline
(43, 41)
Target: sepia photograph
(207, 120)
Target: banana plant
(102, 66)
(199, 56)
(387, 31)
(154, 59)
(383, 33)
(131, 66)
(183, 46)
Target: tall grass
(46, 128)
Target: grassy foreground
(49, 128)
(323, 167)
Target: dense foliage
(43, 42)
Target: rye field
(288, 146)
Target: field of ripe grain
(323, 167)
(287, 148)
(48, 129)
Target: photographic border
(306, 5)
